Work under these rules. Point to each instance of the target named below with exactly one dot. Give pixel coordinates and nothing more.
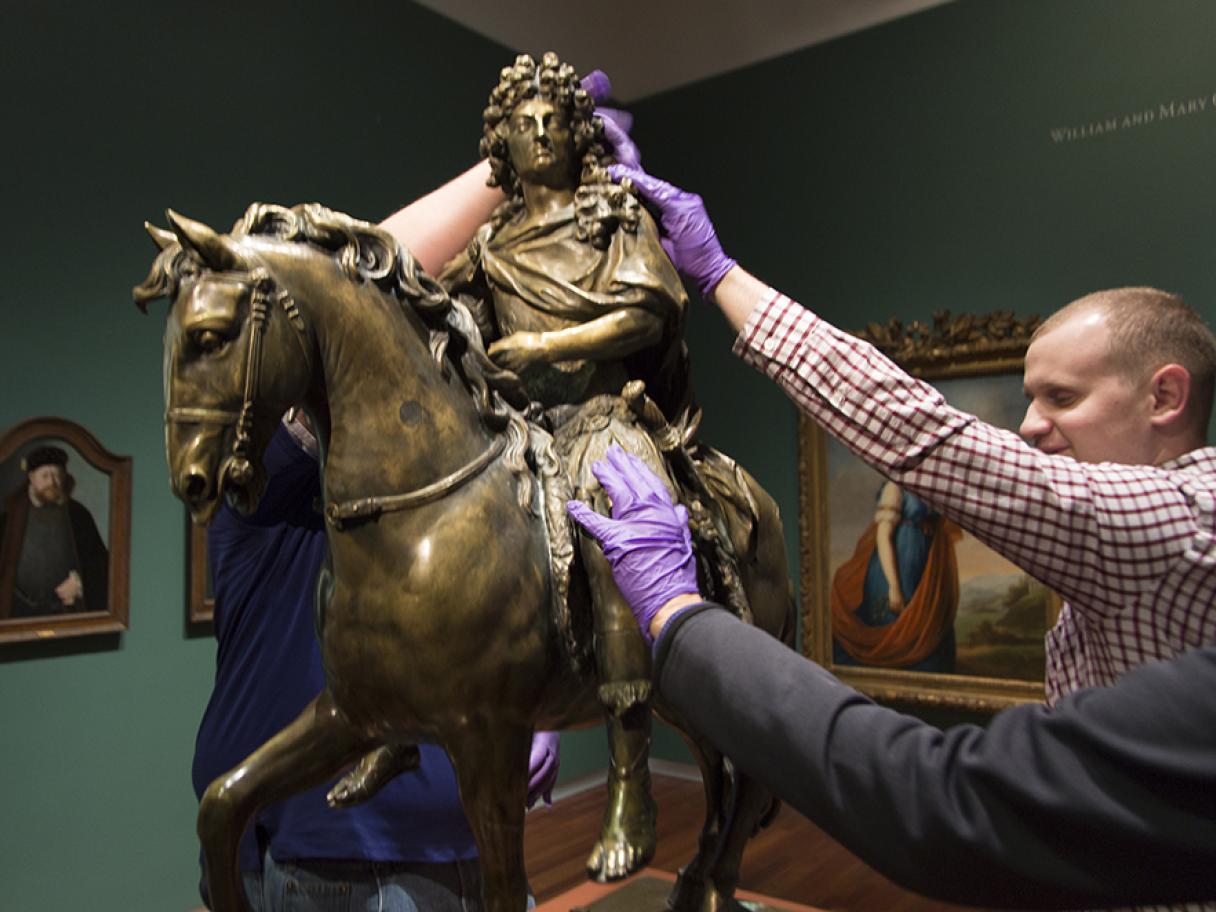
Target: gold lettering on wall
(1159, 113)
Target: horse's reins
(338, 514)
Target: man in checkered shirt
(1111, 497)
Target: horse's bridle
(238, 466)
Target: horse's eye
(208, 341)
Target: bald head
(1147, 329)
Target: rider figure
(574, 293)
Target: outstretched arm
(908, 432)
(1106, 800)
(438, 226)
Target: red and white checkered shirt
(1130, 548)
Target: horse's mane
(367, 253)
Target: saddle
(708, 483)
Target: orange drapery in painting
(926, 617)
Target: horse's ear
(216, 251)
(164, 238)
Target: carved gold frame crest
(949, 348)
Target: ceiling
(649, 46)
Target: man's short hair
(43, 455)
(1150, 328)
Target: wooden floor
(792, 859)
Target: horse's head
(236, 357)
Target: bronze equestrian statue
(454, 608)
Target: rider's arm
(438, 226)
(614, 335)
(1108, 799)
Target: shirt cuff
(303, 438)
(662, 645)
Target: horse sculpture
(437, 614)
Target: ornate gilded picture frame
(65, 533)
(969, 632)
(200, 602)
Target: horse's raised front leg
(492, 769)
(304, 754)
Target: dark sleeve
(292, 485)
(1110, 798)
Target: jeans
(368, 886)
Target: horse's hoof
(700, 896)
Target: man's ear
(1170, 387)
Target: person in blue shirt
(408, 846)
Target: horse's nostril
(195, 487)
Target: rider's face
(540, 144)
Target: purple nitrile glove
(597, 85)
(616, 134)
(617, 123)
(647, 541)
(688, 234)
(543, 762)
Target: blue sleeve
(293, 485)
(1109, 799)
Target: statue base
(647, 892)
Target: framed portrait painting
(65, 532)
(897, 600)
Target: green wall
(111, 113)
(890, 173)
(921, 166)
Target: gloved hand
(543, 763)
(597, 85)
(688, 234)
(617, 123)
(647, 541)
(616, 133)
